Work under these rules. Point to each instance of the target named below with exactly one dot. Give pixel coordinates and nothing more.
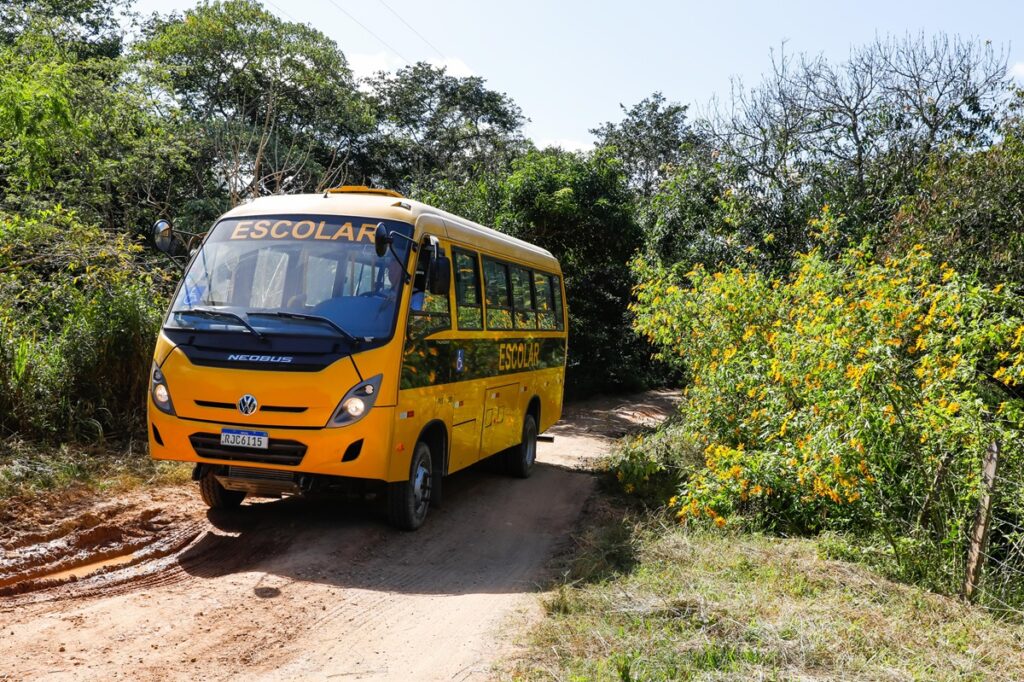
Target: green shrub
(654, 465)
(78, 318)
(852, 395)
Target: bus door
(426, 367)
(501, 418)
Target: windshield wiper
(209, 312)
(311, 318)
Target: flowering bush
(851, 394)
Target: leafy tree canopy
(650, 140)
(432, 123)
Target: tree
(275, 101)
(83, 132)
(82, 28)
(429, 123)
(650, 140)
(970, 208)
(854, 135)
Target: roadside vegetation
(650, 599)
(829, 264)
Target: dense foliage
(830, 263)
(852, 395)
(835, 266)
(969, 208)
(78, 314)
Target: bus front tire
(217, 496)
(519, 459)
(408, 501)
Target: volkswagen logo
(247, 404)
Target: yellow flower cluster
(807, 388)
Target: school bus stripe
(428, 362)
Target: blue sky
(570, 64)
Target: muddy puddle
(62, 547)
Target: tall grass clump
(853, 395)
(78, 315)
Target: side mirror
(163, 235)
(381, 240)
(440, 275)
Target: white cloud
(1017, 72)
(568, 145)
(364, 65)
(456, 67)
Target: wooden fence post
(979, 534)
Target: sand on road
(151, 585)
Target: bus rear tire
(519, 459)
(408, 501)
(217, 496)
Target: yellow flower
(720, 522)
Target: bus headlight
(357, 402)
(355, 407)
(158, 389)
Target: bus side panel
(468, 412)
(417, 407)
(547, 386)
(465, 445)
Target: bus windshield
(317, 275)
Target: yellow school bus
(355, 341)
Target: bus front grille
(279, 450)
(294, 409)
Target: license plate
(244, 439)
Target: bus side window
(556, 289)
(499, 307)
(545, 304)
(522, 299)
(469, 311)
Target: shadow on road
(491, 535)
(614, 417)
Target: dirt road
(150, 586)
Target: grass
(28, 469)
(642, 599)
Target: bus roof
(381, 206)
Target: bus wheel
(217, 496)
(519, 459)
(408, 501)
